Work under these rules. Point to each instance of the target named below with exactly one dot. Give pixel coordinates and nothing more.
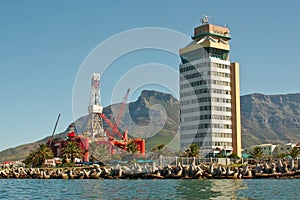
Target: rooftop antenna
(205, 19)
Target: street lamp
(225, 154)
(224, 148)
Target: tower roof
(208, 35)
(211, 30)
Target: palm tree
(157, 150)
(131, 147)
(192, 151)
(158, 147)
(71, 151)
(30, 159)
(256, 152)
(160, 150)
(294, 152)
(37, 158)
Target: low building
(268, 149)
(272, 150)
(283, 149)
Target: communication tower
(95, 108)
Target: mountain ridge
(265, 119)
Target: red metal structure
(121, 111)
(58, 144)
(114, 127)
(124, 141)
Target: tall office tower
(209, 92)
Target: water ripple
(148, 189)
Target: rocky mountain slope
(270, 118)
(155, 116)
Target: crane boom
(111, 125)
(54, 130)
(109, 135)
(120, 114)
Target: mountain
(160, 107)
(155, 116)
(270, 118)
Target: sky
(44, 45)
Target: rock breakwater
(265, 169)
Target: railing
(165, 160)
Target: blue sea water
(149, 189)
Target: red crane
(115, 130)
(121, 111)
(115, 126)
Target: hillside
(155, 116)
(160, 106)
(270, 118)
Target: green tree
(157, 150)
(37, 158)
(30, 160)
(192, 151)
(71, 151)
(233, 155)
(294, 152)
(158, 147)
(131, 147)
(256, 152)
(282, 155)
(161, 150)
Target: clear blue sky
(43, 43)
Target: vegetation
(37, 158)
(71, 151)
(234, 156)
(158, 150)
(294, 152)
(256, 152)
(158, 147)
(161, 150)
(282, 155)
(192, 151)
(132, 147)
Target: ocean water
(149, 189)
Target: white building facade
(207, 93)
